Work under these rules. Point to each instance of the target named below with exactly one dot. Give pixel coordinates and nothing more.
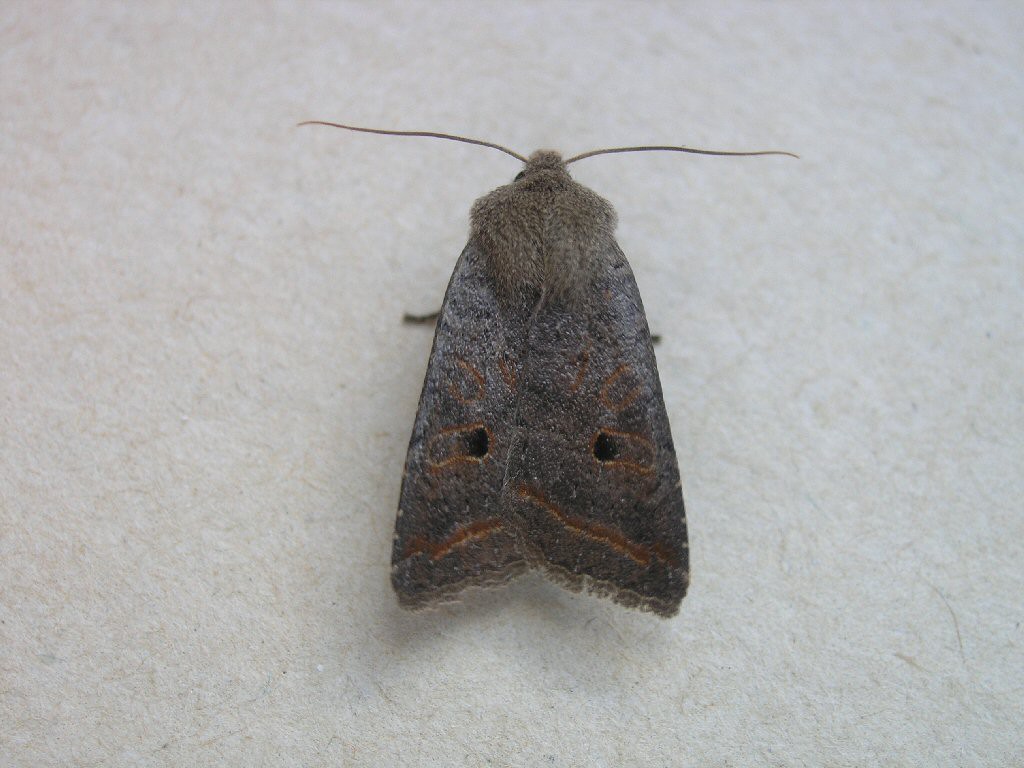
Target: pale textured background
(206, 393)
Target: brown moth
(541, 439)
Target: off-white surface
(206, 393)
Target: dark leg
(428, 319)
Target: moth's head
(543, 164)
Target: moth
(541, 440)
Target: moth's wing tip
(413, 598)
(583, 583)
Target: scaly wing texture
(451, 531)
(593, 483)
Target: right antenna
(691, 150)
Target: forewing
(450, 532)
(593, 483)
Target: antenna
(429, 134)
(517, 156)
(691, 150)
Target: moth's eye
(520, 175)
(606, 447)
(477, 443)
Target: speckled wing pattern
(593, 485)
(542, 441)
(451, 531)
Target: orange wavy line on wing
(480, 529)
(598, 532)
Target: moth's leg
(428, 319)
(655, 339)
